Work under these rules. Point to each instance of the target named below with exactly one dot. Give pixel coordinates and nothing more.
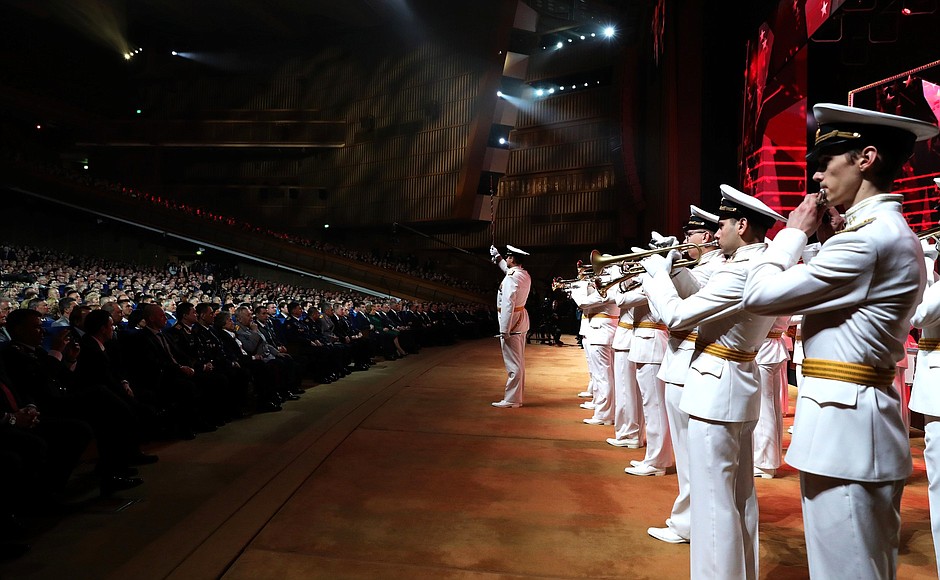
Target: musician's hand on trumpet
(657, 263)
(807, 216)
(660, 241)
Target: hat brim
(750, 203)
(705, 215)
(832, 114)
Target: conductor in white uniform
(513, 322)
(857, 296)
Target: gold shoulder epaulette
(856, 227)
(510, 273)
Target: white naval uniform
(772, 362)
(583, 327)
(849, 443)
(602, 315)
(514, 321)
(675, 367)
(647, 351)
(925, 398)
(722, 398)
(628, 408)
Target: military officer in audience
(513, 321)
(857, 296)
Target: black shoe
(291, 396)
(116, 471)
(141, 458)
(115, 483)
(362, 367)
(269, 407)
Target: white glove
(493, 251)
(655, 264)
(660, 241)
(930, 250)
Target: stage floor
(406, 471)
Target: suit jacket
(37, 376)
(94, 366)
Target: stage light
(326, 226)
(174, 53)
(582, 37)
(538, 93)
(561, 88)
(593, 35)
(127, 56)
(609, 31)
(906, 11)
(84, 167)
(39, 126)
(560, 44)
(551, 91)
(569, 40)
(574, 86)
(502, 140)
(499, 94)
(585, 84)
(139, 111)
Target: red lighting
(906, 11)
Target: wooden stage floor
(406, 471)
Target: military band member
(925, 397)
(646, 353)
(700, 230)
(513, 322)
(602, 315)
(721, 392)
(768, 433)
(629, 425)
(857, 296)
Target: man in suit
(721, 392)
(48, 379)
(857, 295)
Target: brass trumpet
(933, 232)
(630, 263)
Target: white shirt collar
(865, 208)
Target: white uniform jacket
(715, 388)
(857, 297)
(925, 397)
(681, 345)
(511, 298)
(623, 337)
(649, 344)
(601, 313)
(774, 349)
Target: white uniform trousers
(679, 520)
(653, 391)
(724, 503)
(587, 358)
(932, 460)
(785, 390)
(514, 359)
(852, 528)
(600, 364)
(768, 433)
(628, 409)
